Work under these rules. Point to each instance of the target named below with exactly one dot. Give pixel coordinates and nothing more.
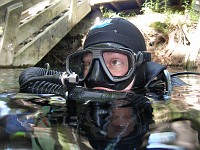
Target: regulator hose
(41, 81)
(92, 95)
(184, 73)
(44, 81)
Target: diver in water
(113, 58)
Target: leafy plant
(160, 6)
(107, 13)
(161, 27)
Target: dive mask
(117, 63)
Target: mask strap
(142, 57)
(139, 59)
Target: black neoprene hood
(116, 30)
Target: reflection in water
(29, 121)
(116, 127)
(36, 123)
(9, 80)
(113, 125)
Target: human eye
(87, 64)
(87, 59)
(116, 62)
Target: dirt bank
(170, 48)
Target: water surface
(30, 121)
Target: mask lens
(116, 63)
(80, 63)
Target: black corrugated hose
(41, 81)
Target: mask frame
(97, 54)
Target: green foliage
(155, 6)
(107, 13)
(161, 6)
(194, 16)
(127, 14)
(160, 27)
(191, 12)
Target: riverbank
(172, 48)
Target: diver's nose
(97, 73)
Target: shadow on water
(30, 121)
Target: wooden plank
(94, 2)
(6, 3)
(72, 11)
(27, 3)
(3, 2)
(38, 21)
(83, 8)
(8, 41)
(34, 51)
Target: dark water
(29, 121)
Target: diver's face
(122, 122)
(104, 67)
(116, 63)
